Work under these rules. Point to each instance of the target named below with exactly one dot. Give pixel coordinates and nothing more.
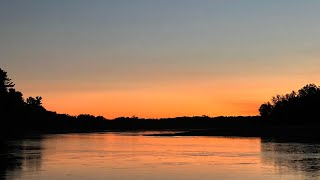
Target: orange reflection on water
(130, 156)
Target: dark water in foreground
(133, 156)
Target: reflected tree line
(19, 154)
(292, 155)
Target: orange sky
(159, 58)
(238, 97)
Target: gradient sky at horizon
(160, 58)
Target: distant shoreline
(295, 114)
(310, 132)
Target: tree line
(295, 108)
(19, 115)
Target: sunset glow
(159, 58)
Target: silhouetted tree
(5, 82)
(301, 107)
(265, 109)
(309, 90)
(37, 101)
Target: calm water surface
(135, 156)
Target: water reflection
(18, 156)
(134, 156)
(288, 156)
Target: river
(136, 156)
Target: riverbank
(309, 132)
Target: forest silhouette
(293, 114)
(295, 108)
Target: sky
(159, 58)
